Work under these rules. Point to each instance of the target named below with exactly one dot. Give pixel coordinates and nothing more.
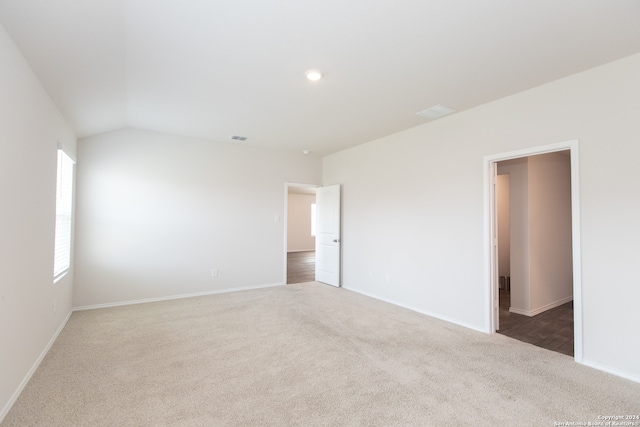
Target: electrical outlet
(214, 272)
(387, 278)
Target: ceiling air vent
(436, 111)
(238, 138)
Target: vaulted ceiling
(213, 68)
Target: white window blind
(64, 204)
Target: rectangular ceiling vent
(436, 111)
(238, 138)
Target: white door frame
(490, 259)
(286, 220)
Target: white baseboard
(27, 377)
(417, 310)
(172, 297)
(302, 250)
(611, 371)
(542, 309)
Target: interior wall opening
(534, 250)
(300, 253)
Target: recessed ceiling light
(314, 75)
(436, 111)
(306, 151)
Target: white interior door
(328, 235)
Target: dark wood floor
(552, 329)
(301, 267)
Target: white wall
(551, 265)
(540, 221)
(156, 213)
(299, 236)
(30, 129)
(407, 216)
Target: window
(64, 204)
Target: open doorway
(534, 303)
(533, 196)
(300, 235)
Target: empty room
(160, 263)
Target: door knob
(336, 240)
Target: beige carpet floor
(303, 355)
